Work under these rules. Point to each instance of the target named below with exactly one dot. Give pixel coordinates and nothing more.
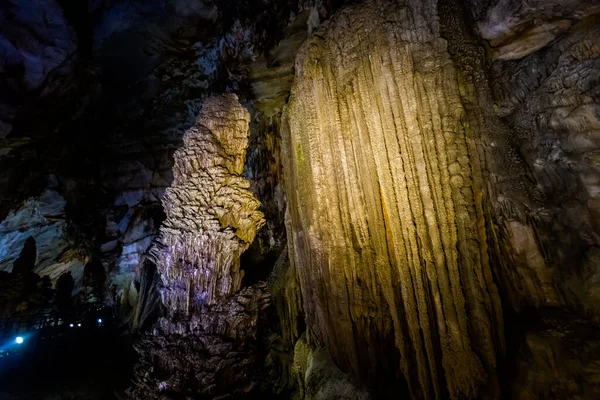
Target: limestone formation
(207, 344)
(212, 354)
(42, 218)
(212, 217)
(386, 204)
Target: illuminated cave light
(18, 340)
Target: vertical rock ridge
(386, 227)
(212, 217)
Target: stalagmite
(207, 344)
(386, 220)
(212, 217)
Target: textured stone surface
(550, 99)
(211, 354)
(42, 218)
(207, 345)
(386, 215)
(211, 216)
(514, 206)
(319, 378)
(109, 118)
(516, 28)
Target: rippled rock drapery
(386, 217)
(207, 344)
(212, 217)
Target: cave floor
(82, 364)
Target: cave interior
(299, 199)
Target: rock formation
(386, 214)
(211, 216)
(206, 346)
(215, 353)
(433, 164)
(42, 218)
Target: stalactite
(212, 217)
(386, 222)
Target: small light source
(79, 325)
(99, 320)
(70, 325)
(18, 340)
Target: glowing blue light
(70, 325)
(99, 320)
(19, 340)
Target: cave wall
(550, 98)
(438, 158)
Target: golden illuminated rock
(386, 218)
(212, 217)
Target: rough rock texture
(516, 28)
(551, 100)
(43, 219)
(212, 354)
(107, 120)
(211, 216)
(319, 378)
(207, 345)
(512, 204)
(386, 215)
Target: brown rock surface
(550, 100)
